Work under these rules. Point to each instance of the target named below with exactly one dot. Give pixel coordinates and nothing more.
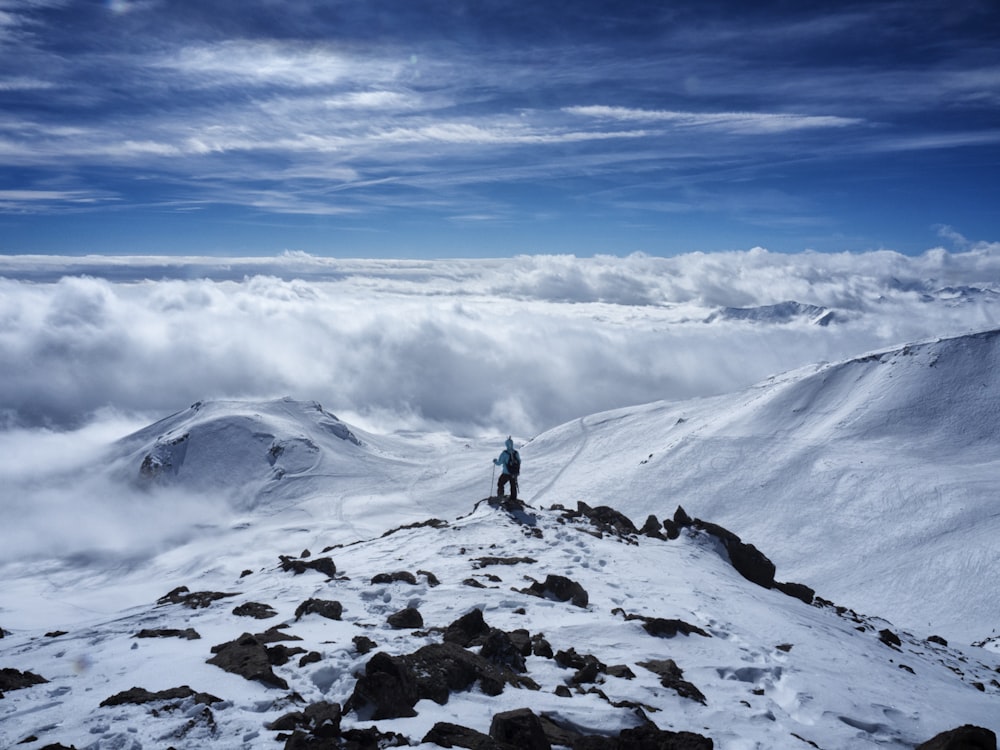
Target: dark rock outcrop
(402, 576)
(796, 590)
(672, 676)
(406, 619)
(363, 644)
(392, 685)
(967, 737)
(560, 588)
(662, 627)
(324, 565)
(499, 649)
(606, 519)
(328, 608)
(248, 657)
(256, 610)
(192, 599)
(188, 633)
(13, 679)
(319, 719)
(519, 728)
(138, 696)
(748, 561)
(468, 630)
(445, 734)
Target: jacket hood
(510, 444)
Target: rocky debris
(560, 588)
(363, 644)
(324, 565)
(937, 639)
(55, 633)
(275, 634)
(519, 728)
(587, 666)
(13, 679)
(434, 523)
(248, 657)
(281, 654)
(432, 580)
(310, 658)
(319, 719)
(406, 619)
(446, 734)
(500, 649)
(653, 528)
(189, 634)
(890, 639)
(399, 576)
(192, 599)
(482, 562)
(646, 737)
(468, 630)
(328, 608)
(256, 610)
(606, 519)
(672, 676)
(748, 561)
(392, 685)
(139, 696)
(662, 627)
(797, 590)
(966, 737)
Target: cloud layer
(516, 345)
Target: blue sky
(442, 128)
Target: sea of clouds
(96, 347)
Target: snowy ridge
(756, 668)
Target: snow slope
(871, 480)
(773, 670)
(868, 479)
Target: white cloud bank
(515, 345)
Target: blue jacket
(505, 456)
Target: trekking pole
(492, 475)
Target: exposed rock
(652, 528)
(797, 590)
(13, 679)
(519, 728)
(192, 599)
(681, 519)
(256, 610)
(392, 685)
(937, 639)
(275, 635)
(399, 576)
(587, 666)
(748, 561)
(606, 519)
(473, 583)
(55, 633)
(646, 737)
(248, 657)
(330, 609)
(280, 655)
(499, 649)
(406, 619)
(324, 565)
(432, 580)
(560, 588)
(541, 647)
(482, 562)
(889, 638)
(671, 528)
(138, 696)
(363, 644)
(967, 737)
(188, 633)
(445, 734)
(662, 627)
(671, 676)
(311, 658)
(468, 630)
(319, 719)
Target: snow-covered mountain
(870, 481)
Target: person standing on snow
(510, 463)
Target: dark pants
(504, 478)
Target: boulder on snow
(606, 519)
(248, 657)
(138, 696)
(255, 610)
(13, 679)
(468, 630)
(445, 734)
(406, 619)
(671, 676)
(192, 599)
(499, 649)
(324, 565)
(392, 685)
(519, 728)
(967, 737)
(560, 588)
(748, 561)
(328, 608)
(189, 634)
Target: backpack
(513, 463)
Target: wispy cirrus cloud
(736, 122)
